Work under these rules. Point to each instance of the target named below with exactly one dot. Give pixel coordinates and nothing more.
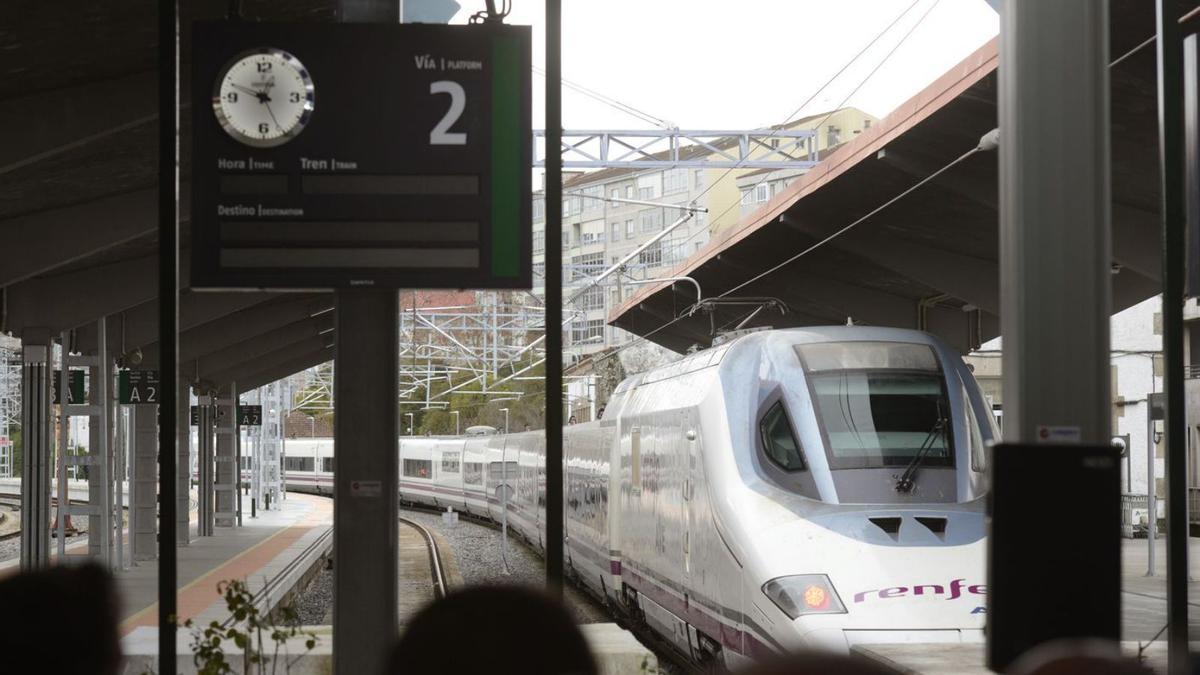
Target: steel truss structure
(10, 402)
(676, 148)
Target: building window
(587, 330)
(592, 299)
(628, 192)
(747, 197)
(651, 220)
(616, 231)
(615, 193)
(646, 193)
(593, 198)
(586, 266)
(675, 180)
(418, 468)
(629, 229)
(652, 255)
(867, 124)
(699, 179)
(762, 192)
(832, 136)
(539, 209)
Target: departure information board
(372, 155)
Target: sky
(703, 64)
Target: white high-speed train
(815, 487)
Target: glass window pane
(778, 440)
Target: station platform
(271, 552)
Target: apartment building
(599, 229)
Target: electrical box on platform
(360, 155)
(1054, 547)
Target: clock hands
(272, 114)
(260, 95)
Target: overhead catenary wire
(611, 102)
(639, 339)
(845, 99)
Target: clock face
(264, 97)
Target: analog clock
(263, 97)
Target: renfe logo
(957, 588)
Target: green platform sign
(137, 387)
(76, 394)
(250, 415)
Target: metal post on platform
(36, 426)
(1055, 270)
(204, 454)
(118, 483)
(1151, 497)
(365, 505)
(1171, 171)
(553, 293)
(168, 334)
(62, 513)
(225, 482)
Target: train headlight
(804, 594)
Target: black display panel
(1054, 547)
(360, 155)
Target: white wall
(1136, 331)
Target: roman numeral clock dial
(263, 98)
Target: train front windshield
(879, 404)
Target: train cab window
(778, 439)
(880, 404)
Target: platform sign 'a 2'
(249, 415)
(137, 387)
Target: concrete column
(143, 493)
(225, 482)
(1055, 220)
(100, 470)
(365, 484)
(183, 467)
(36, 435)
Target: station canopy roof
(930, 259)
(78, 194)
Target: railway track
(15, 503)
(436, 568)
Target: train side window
(635, 458)
(778, 439)
(418, 468)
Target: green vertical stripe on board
(506, 157)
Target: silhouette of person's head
(486, 629)
(63, 619)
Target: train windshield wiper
(905, 482)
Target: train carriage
(816, 487)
